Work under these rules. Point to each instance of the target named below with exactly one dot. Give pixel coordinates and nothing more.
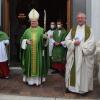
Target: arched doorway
(61, 9)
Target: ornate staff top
(44, 20)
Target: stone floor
(53, 87)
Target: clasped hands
(77, 42)
(57, 44)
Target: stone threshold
(16, 97)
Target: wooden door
(69, 14)
(6, 16)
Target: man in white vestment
(80, 57)
(50, 37)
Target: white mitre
(33, 15)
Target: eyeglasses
(80, 17)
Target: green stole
(87, 32)
(73, 72)
(3, 36)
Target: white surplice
(50, 33)
(3, 51)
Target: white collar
(78, 26)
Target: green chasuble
(3, 36)
(31, 58)
(59, 52)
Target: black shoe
(67, 91)
(54, 72)
(84, 94)
(1, 77)
(62, 74)
(6, 77)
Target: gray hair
(81, 14)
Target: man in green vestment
(32, 52)
(59, 51)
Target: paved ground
(53, 88)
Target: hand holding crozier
(29, 42)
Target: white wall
(95, 23)
(88, 11)
(93, 15)
(95, 18)
(78, 5)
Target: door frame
(69, 14)
(1, 13)
(6, 16)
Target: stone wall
(93, 19)
(97, 62)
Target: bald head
(81, 18)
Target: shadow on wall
(97, 62)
